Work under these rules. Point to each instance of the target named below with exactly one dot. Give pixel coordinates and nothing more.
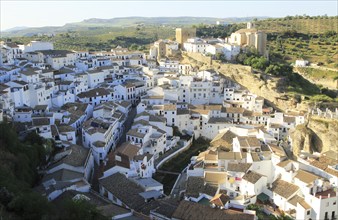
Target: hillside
(300, 24)
(321, 49)
(104, 38)
(302, 37)
(319, 75)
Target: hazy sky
(57, 13)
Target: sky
(57, 13)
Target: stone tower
(183, 34)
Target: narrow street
(180, 185)
(98, 169)
(127, 125)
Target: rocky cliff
(316, 135)
(270, 88)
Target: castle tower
(183, 34)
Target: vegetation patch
(315, 73)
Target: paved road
(180, 185)
(97, 173)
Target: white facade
(195, 45)
(36, 46)
(101, 136)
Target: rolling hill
(124, 22)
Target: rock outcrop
(316, 135)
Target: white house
(36, 46)
(101, 136)
(95, 96)
(195, 45)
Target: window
(308, 212)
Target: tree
(5, 196)
(34, 138)
(220, 56)
(273, 69)
(241, 57)
(80, 210)
(30, 205)
(259, 63)
(133, 47)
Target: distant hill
(16, 29)
(132, 21)
(124, 22)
